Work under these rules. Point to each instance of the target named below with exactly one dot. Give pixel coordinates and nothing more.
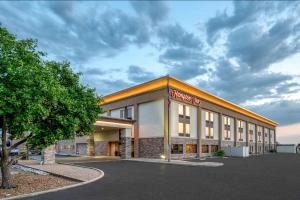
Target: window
(209, 127)
(177, 149)
(180, 129)
(271, 136)
(259, 130)
(187, 130)
(240, 129)
(187, 111)
(180, 109)
(214, 148)
(205, 149)
(207, 132)
(251, 149)
(227, 133)
(184, 120)
(251, 135)
(209, 116)
(191, 148)
(122, 113)
(266, 135)
(129, 113)
(251, 132)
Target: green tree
(40, 101)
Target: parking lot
(262, 177)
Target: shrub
(220, 153)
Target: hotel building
(168, 117)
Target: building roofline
(186, 87)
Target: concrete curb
(92, 161)
(183, 163)
(34, 170)
(61, 188)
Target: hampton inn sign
(184, 97)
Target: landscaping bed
(28, 183)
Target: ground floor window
(177, 149)
(214, 148)
(251, 149)
(191, 148)
(205, 149)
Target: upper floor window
(259, 131)
(180, 109)
(129, 113)
(240, 129)
(271, 136)
(209, 125)
(187, 129)
(266, 135)
(227, 132)
(180, 129)
(184, 120)
(251, 132)
(187, 111)
(126, 113)
(122, 113)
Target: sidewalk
(69, 171)
(178, 162)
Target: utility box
(286, 148)
(236, 151)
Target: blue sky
(245, 52)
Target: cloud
(284, 111)
(94, 72)
(257, 48)
(183, 52)
(155, 11)
(69, 31)
(239, 84)
(245, 12)
(175, 35)
(184, 63)
(105, 86)
(137, 74)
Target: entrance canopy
(113, 136)
(106, 122)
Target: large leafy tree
(40, 101)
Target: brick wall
(151, 147)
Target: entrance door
(114, 149)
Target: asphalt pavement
(265, 177)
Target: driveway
(264, 177)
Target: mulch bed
(29, 183)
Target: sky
(245, 52)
